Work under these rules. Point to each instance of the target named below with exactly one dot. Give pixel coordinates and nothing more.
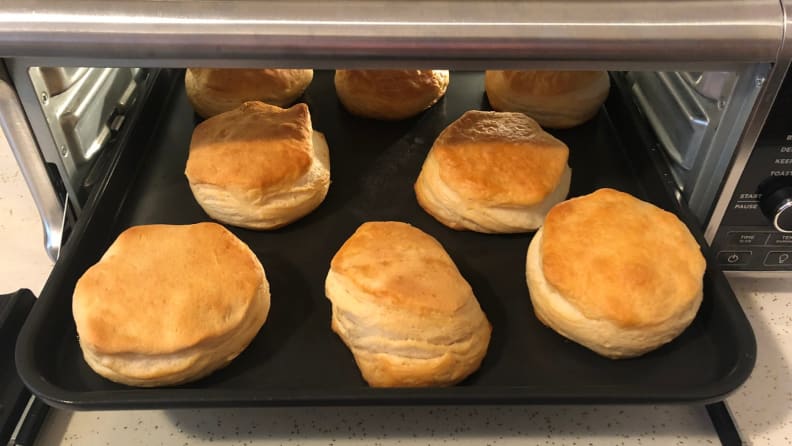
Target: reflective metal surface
(675, 113)
(56, 80)
(698, 133)
(753, 127)
(327, 34)
(712, 85)
(81, 117)
(20, 139)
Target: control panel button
(734, 257)
(780, 240)
(748, 238)
(776, 202)
(783, 217)
(778, 258)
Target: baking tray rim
(175, 397)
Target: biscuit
(615, 274)
(555, 99)
(212, 91)
(493, 172)
(403, 309)
(258, 166)
(169, 304)
(390, 94)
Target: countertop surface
(762, 408)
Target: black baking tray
(296, 359)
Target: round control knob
(776, 202)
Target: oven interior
(696, 119)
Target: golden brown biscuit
(615, 274)
(258, 166)
(555, 99)
(390, 94)
(403, 309)
(169, 304)
(493, 172)
(212, 91)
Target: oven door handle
(20, 138)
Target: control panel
(756, 231)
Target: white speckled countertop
(762, 408)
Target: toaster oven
(700, 105)
(708, 79)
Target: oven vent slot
(674, 112)
(83, 116)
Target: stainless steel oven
(708, 86)
(706, 76)
(751, 225)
